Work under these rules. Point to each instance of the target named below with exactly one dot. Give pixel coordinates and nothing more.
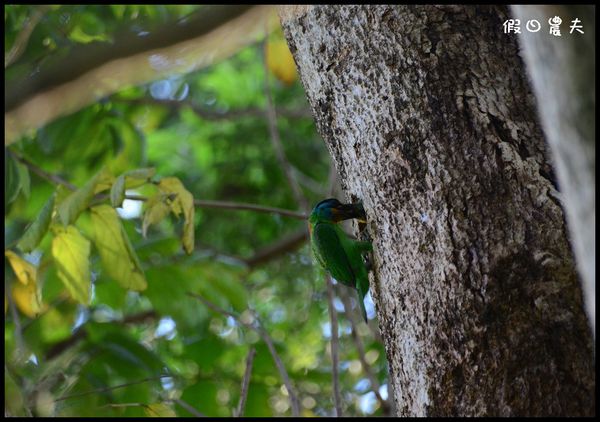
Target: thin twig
(337, 399)
(208, 114)
(276, 142)
(361, 348)
(239, 206)
(149, 408)
(117, 405)
(250, 207)
(52, 178)
(23, 37)
(202, 203)
(245, 383)
(288, 384)
(81, 333)
(189, 408)
(285, 244)
(309, 183)
(268, 341)
(105, 389)
(20, 352)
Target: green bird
(335, 251)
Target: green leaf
(109, 293)
(79, 200)
(12, 180)
(138, 177)
(257, 400)
(24, 179)
(184, 201)
(128, 180)
(127, 356)
(203, 396)
(71, 252)
(119, 259)
(117, 192)
(167, 291)
(35, 232)
(105, 181)
(13, 398)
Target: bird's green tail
(361, 302)
(362, 289)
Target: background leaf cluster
(158, 347)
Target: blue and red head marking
(327, 209)
(333, 210)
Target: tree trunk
(429, 119)
(563, 73)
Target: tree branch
(245, 383)
(276, 142)
(52, 178)
(208, 114)
(81, 333)
(189, 408)
(309, 183)
(84, 58)
(202, 203)
(279, 247)
(269, 342)
(249, 207)
(33, 99)
(105, 389)
(337, 400)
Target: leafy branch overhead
(71, 250)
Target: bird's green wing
(331, 254)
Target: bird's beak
(347, 211)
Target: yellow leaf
(138, 177)
(159, 410)
(117, 192)
(25, 272)
(119, 259)
(173, 185)
(28, 299)
(280, 61)
(184, 201)
(71, 252)
(104, 182)
(156, 210)
(128, 180)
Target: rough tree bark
(430, 121)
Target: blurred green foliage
(160, 350)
